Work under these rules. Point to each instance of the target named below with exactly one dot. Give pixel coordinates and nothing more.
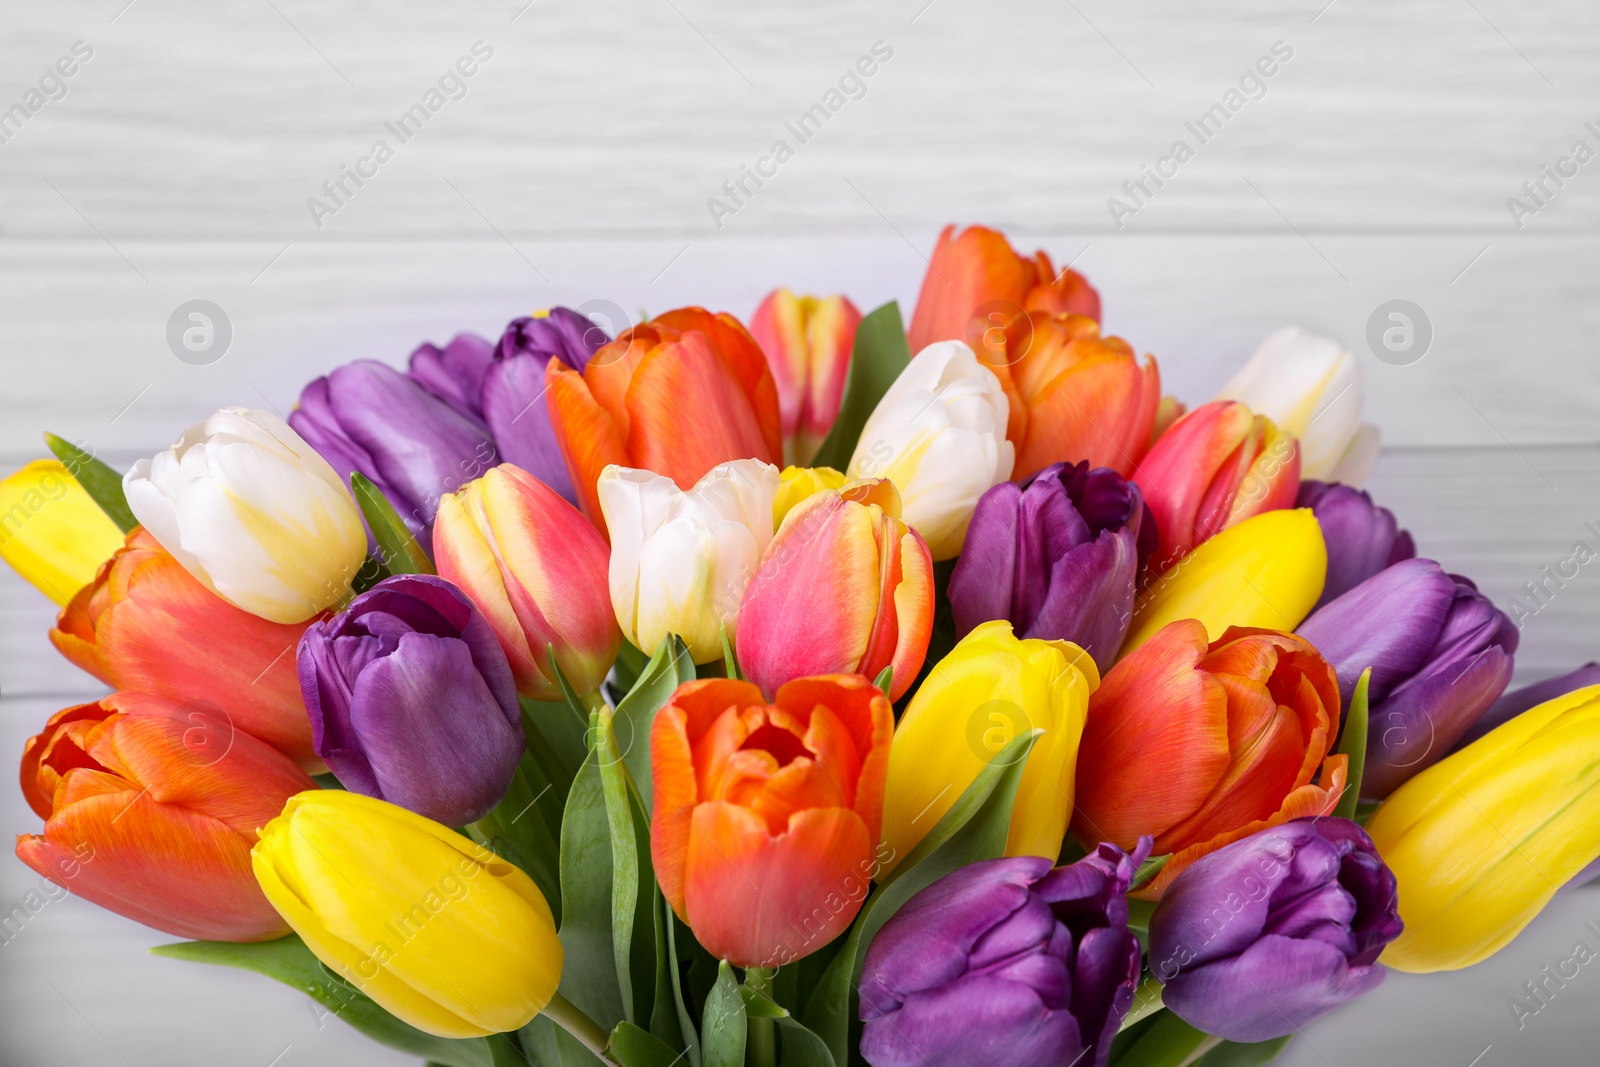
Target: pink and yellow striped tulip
(536, 568)
(807, 341)
(845, 587)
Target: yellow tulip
(51, 532)
(436, 929)
(1267, 572)
(797, 483)
(1481, 841)
(990, 688)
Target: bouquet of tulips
(807, 691)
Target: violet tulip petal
(1423, 718)
(1512, 704)
(1001, 1022)
(455, 372)
(1389, 622)
(1362, 538)
(514, 405)
(1091, 596)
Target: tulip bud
(1201, 744)
(455, 372)
(1440, 654)
(1005, 954)
(807, 341)
(1265, 572)
(1058, 556)
(845, 587)
(1516, 812)
(51, 531)
(1264, 935)
(797, 483)
(630, 406)
(145, 623)
(254, 513)
(439, 931)
(978, 273)
(767, 815)
(1216, 467)
(536, 569)
(150, 810)
(1362, 538)
(368, 418)
(412, 701)
(680, 560)
(1515, 703)
(938, 433)
(988, 690)
(1311, 387)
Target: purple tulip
(1258, 938)
(368, 417)
(1440, 654)
(455, 372)
(1058, 556)
(412, 700)
(1362, 538)
(1511, 705)
(1005, 961)
(513, 390)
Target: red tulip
(808, 341)
(151, 809)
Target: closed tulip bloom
(254, 513)
(797, 483)
(765, 811)
(1362, 538)
(1440, 654)
(146, 623)
(1265, 572)
(368, 418)
(536, 569)
(938, 433)
(1202, 743)
(455, 372)
(52, 532)
(807, 341)
(440, 931)
(845, 587)
(1512, 704)
(151, 808)
(1518, 814)
(1057, 555)
(677, 395)
(1267, 934)
(1310, 387)
(411, 700)
(680, 561)
(978, 274)
(988, 690)
(1217, 466)
(1005, 961)
(1074, 394)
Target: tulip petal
(51, 531)
(514, 406)
(588, 432)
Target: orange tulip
(1202, 744)
(767, 816)
(146, 623)
(808, 341)
(151, 808)
(1217, 466)
(978, 274)
(676, 395)
(1074, 394)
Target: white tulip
(939, 434)
(1311, 387)
(680, 560)
(254, 513)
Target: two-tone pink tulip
(845, 587)
(807, 341)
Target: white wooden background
(1377, 166)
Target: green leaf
(1149, 869)
(625, 859)
(289, 961)
(975, 828)
(885, 679)
(633, 1047)
(801, 1047)
(1353, 743)
(757, 1005)
(557, 742)
(589, 977)
(369, 574)
(100, 481)
(722, 1034)
(629, 665)
(1168, 1042)
(518, 830)
(547, 1045)
(398, 549)
(1254, 1054)
(669, 668)
(730, 662)
(680, 1006)
(879, 355)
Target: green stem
(762, 1040)
(566, 1015)
(1146, 1002)
(1169, 1042)
(595, 702)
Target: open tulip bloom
(813, 690)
